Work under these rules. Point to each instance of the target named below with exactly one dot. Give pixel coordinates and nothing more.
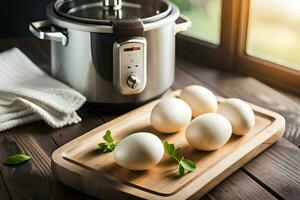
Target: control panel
(130, 65)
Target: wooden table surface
(274, 174)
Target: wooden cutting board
(80, 165)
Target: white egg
(139, 151)
(239, 114)
(208, 132)
(200, 99)
(170, 115)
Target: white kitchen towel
(28, 94)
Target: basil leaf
(188, 165)
(112, 146)
(16, 159)
(180, 170)
(183, 164)
(169, 148)
(109, 143)
(177, 153)
(107, 149)
(102, 145)
(107, 137)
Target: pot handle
(183, 23)
(36, 28)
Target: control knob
(133, 82)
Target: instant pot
(114, 52)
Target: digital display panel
(132, 49)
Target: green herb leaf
(107, 149)
(188, 165)
(180, 170)
(169, 148)
(177, 153)
(107, 137)
(102, 145)
(183, 164)
(110, 143)
(16, 159)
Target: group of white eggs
(208, 126)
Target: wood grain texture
(89, 121)
(160, 182)
(281, 164)
(30, 180)
(4, 195)
(33, 179)
(239, 186)
(183, 79)
(294, 133)
(37, 50)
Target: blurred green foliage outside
(273, 31)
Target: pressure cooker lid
(98, 12)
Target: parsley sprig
(110, 143)
(184, 165)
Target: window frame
(230, 54)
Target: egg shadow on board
(167, 161)
(234, 141)
(234, 138)
(148, 128)
(123, 174)
(93, 153)
(190, 153)
(173, 174)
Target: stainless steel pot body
(82, 57)
(77, 65)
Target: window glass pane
(274, 31)
(205, 16)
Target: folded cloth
(28, 94)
